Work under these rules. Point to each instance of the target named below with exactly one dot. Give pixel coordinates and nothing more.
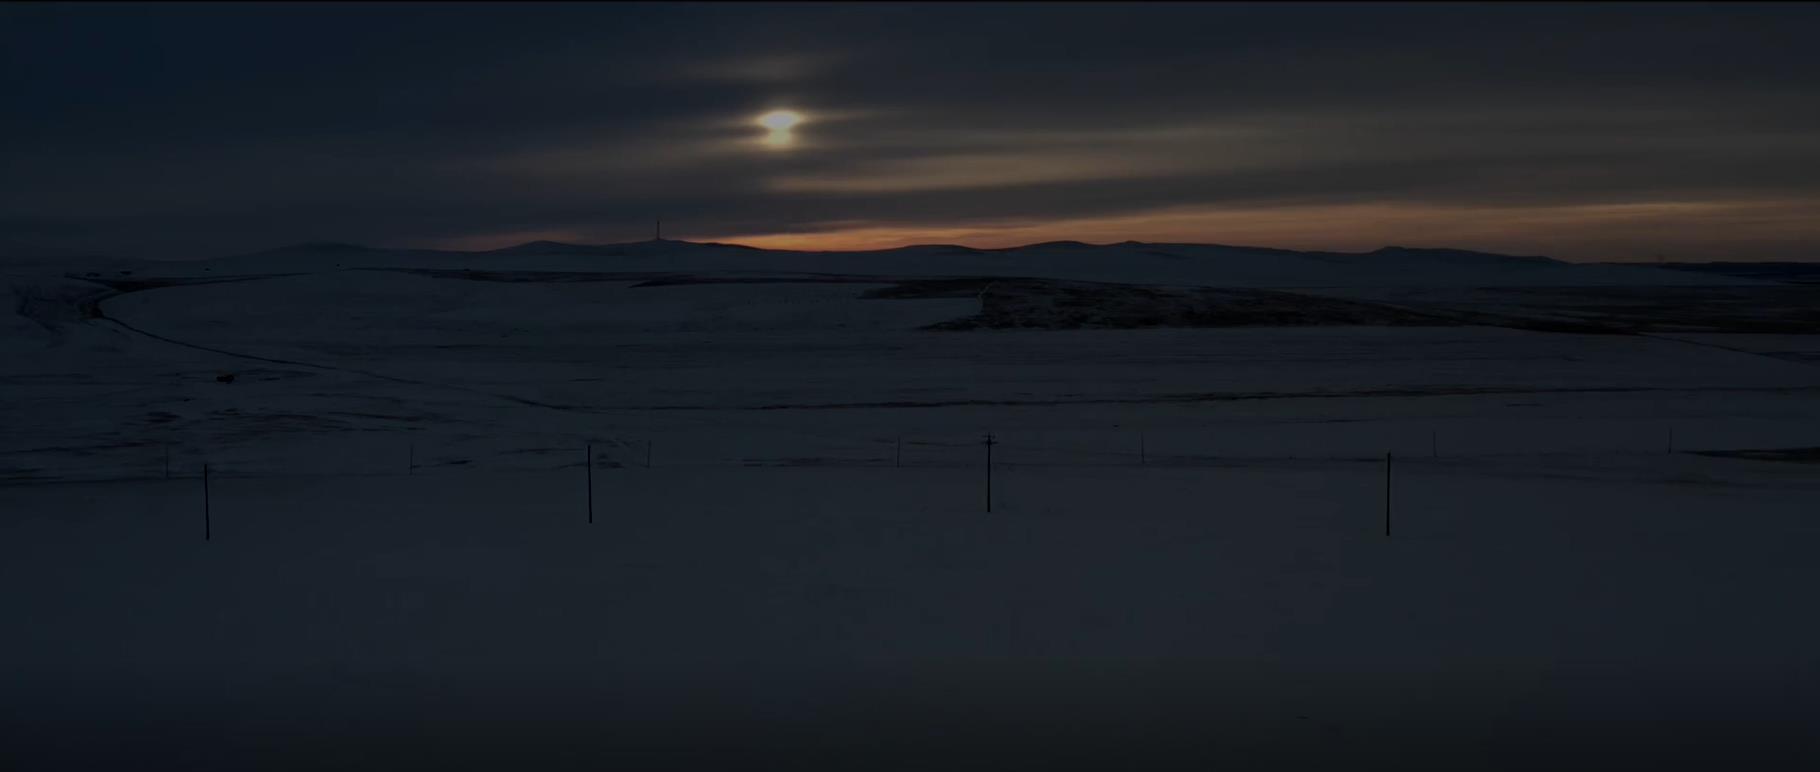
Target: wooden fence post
(989, 443)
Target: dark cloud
(202, 129)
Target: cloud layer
(1622, 131)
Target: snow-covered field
(790, 563)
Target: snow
(1185, 559)
(1250, 612)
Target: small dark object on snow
(225, 378)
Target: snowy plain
(789, 561)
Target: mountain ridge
(616, 249)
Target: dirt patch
(1784, 309)
(1069, 305)
(1789, 455)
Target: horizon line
(327, 245)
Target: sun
(779, 123)
(780, 120)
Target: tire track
(1723, 347)
(94, 309)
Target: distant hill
(1129, 262)
(559, 248)
(320, 246)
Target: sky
(1622, 131)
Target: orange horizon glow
(1589, 232)
(1580, 232)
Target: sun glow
(779, 123)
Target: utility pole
(660, 231)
